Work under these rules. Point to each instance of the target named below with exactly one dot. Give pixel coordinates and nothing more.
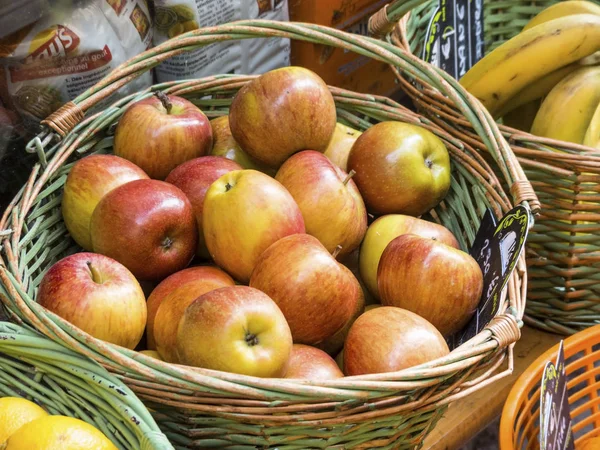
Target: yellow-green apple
(224, 145)
(331, 205)
(316, 293)
(98, 295)
(173, 295)
(389, 339)
(383, 230)
(146, 225)
(340, 145)
(282, 112)
(194, 177)
(161, 132)
(310, 363)
(235, 329)
(245, 211)
(400, 168)
(351, 261)
(339, 360)
(90, 179)
(432, 279)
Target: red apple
(436, 281)
(146, 225)
(388, 339)
(235, 329)
(245, 211)
(170, 299)
(383, 230)
(194, 178)
(90, 179)
(98, 295)
(317, 294)
(310, 363)
(282, 112)
(400, 168)
(338, 149)
(331, 205)
(161, 132)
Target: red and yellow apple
(331, 205)
(146, 225)
(340, 145)
(389, 339)
(90, 179)
(173, 296)
(281, 112)
(161, 132)
(400, 168)
(245, 211)
(235, 329)
(431, 279)
(98, 295)
(383, 230)
(310, 363)
(194, 177)
(317, 294)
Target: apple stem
(350, 175)
(164, 100)
(96, 276)
(336, 251)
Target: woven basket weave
(564, 246)
(199, 408)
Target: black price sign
(496, 248)
(555, 413)
(454, 38)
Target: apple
(351, 262)
(90, 179)
(161, 132)
(432, 279)
(340, 145)
(316, 293)
(170, 299)
(245, 211)
(389, 339)
(282, 112)
(98, 295)
(383, 230)
(331, 205)
(400, 168)
(224, 145)
(194, 177)
(235, 329)
(310, 363)
(146, 225)
(152, 354)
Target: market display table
(465, 418)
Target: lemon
(16, 412)
(58, 433)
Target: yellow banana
(567, 110)
(592, 134)
(522, 116)
(530, 55)
(563, 9)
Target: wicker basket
(199, 408)
(520, 423)
(65, 383)
(564, 246)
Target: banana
(592, 134)
(530, 55)
(522, 117)
(563, 9)
(567, 110)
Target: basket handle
(383, 21)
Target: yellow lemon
(16, 412)
(58, 433)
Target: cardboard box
(336, 66)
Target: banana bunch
(547, 78)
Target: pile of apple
(250, 234)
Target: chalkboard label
(454, 37)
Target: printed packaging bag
(248, 56)
(52, 61)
